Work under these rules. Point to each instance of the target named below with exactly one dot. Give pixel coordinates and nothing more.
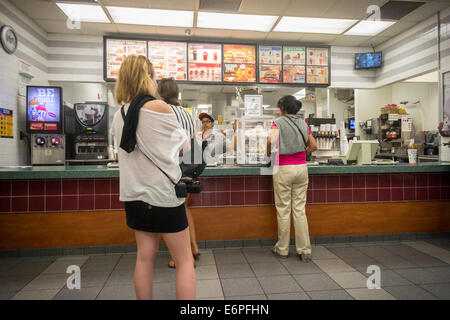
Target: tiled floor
(409, 270)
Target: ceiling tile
(129, 28)
(249, 35)
(171, 31)
(40, 9)
(309, 8)
(425, 11)
(318, 38)
(375, 41)
(211, 33)
(53, 26)
(154, 4)
(267, 7)
(396, 29)
(349, 41)
(128, 3)
(98, 28)
(284, 36)
(351, 9)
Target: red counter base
(67, 229)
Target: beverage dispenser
(45, 123)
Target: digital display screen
(89, 114)
(44, 108)
(368, 60)
(352, 124)
(205, 62)
(169, 59)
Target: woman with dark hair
(169, 92)
(290, 177)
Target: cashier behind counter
(216, 140)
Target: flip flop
(171, 264)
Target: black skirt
(143, 217)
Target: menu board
(317, 75)
(169, 59)
(294, 74)
(118, 50)
(205, 62)
(270, 64)
(239, 63)
(317, 56)
(294, 55)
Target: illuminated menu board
(317, 65)
(117, 50)
(270, 64)
(239, 63)
(294, 64)
(169, 59)
(205, 62)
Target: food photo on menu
(205, 62)
(239, 63)
(294, 74)
(317, 74)
(269, 55)
(239, 54)
(317, 56)
(294, 55)
(168, 59)
(270, 73)
(234, 72)
(117, 50)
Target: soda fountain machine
(45, 124)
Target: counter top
(92, 171)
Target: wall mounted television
(368, 60)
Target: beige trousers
(290, 184)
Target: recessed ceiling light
(248, 22)
(152, 17)
(84, 12)
(369, 28)
(313, 25)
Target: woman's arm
(312, 145)
(272, 140)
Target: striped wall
(445, 40)
(343, 74)
(409, 54)
(32, 48)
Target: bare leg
(191, 227)
(147, 248)
(178, 244)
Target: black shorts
(143, 217)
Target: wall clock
(8, 39)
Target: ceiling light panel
(369, 28)
(84, 12)
(313, 25)
(152, 17)
(214, 20)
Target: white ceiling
(46, 14)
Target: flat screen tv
(44, 109)
(368, 60)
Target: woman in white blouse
(147, 177)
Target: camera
(187, 185)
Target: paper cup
(412, 156)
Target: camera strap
(122, 111)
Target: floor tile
(289, 296)
(316, 282)
(268, 269)
(124, 292)
(443, 272)
(391, 278)
(298, 267)
(374, 251)
(14, 284)
(252, 297)
(241, 287)
(25, 269)
(370, 294)
(346, 252)
(84, 293)
(205, 260)
(279, 284)
(410, 292)
(426, 261)
(127, 262)
(48, 294)
(164, 275)
(421, 276)
(260, 256)
(348, 280)
(206, 272)
(333, 265)
(118, 277)
(5, 267)
(229, 257)
(361, 264)
(7, 295)
(209, 289)
(395, 262)
(47, 281)
(441, 290)
(330, 295)
(402, 250)
(320, 252)
(164, 291)
(94, 279)
(240, 270)
(105, 264)
(60, 266)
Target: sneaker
(274, 251)
(305, 257)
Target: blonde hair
(168, 90)
(136, 76)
